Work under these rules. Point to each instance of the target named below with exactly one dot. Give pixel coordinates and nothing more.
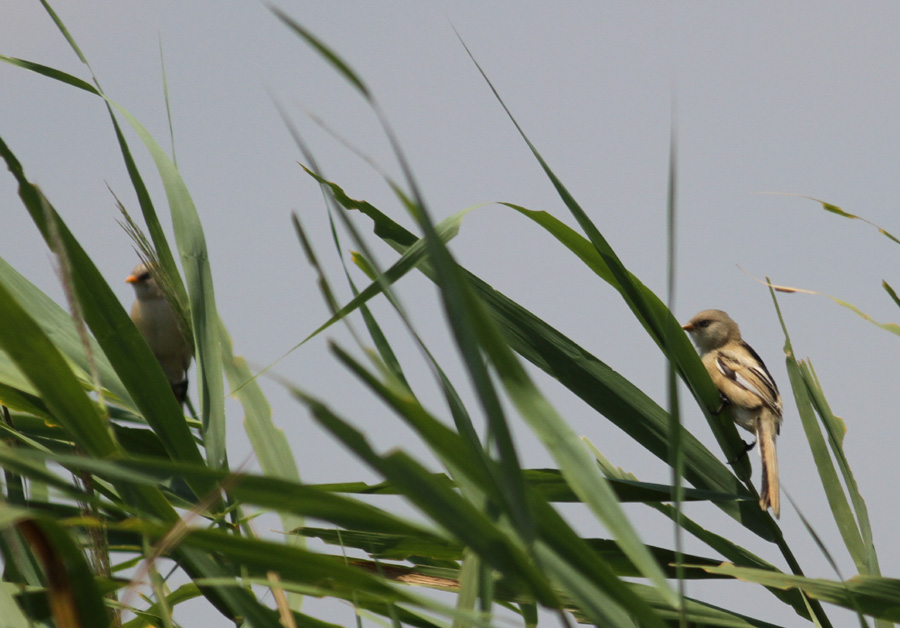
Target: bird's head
(145, 286)
(711, 329)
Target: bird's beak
(131, 279)
(688, 327)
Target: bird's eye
(703, 324)
(144, 276)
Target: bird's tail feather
(770, 493)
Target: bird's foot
(724, 402)
(743, 452)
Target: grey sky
(770, 98)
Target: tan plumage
(745, 383)
(156, 320)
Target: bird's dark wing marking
(751, 376)
(770, 381)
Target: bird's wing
(751, 374)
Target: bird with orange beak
(159, 325)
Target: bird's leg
(747, 446)
(724, 402)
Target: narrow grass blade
(165, 83)
(872, 595)
(65, 32)
(891, 293)
(19, 461)
(268, 441)
(326, 52)
(420, 550)
(676, 458)
(698, 613)
(834, 491)
(470, 586)
(834, 209)
(547, 483)
(49, 72)
(835, 429)
(460, 414)
(893, 328)
(377, 335)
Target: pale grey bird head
(145, 286)
(711, 329)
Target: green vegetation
(104, 475)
